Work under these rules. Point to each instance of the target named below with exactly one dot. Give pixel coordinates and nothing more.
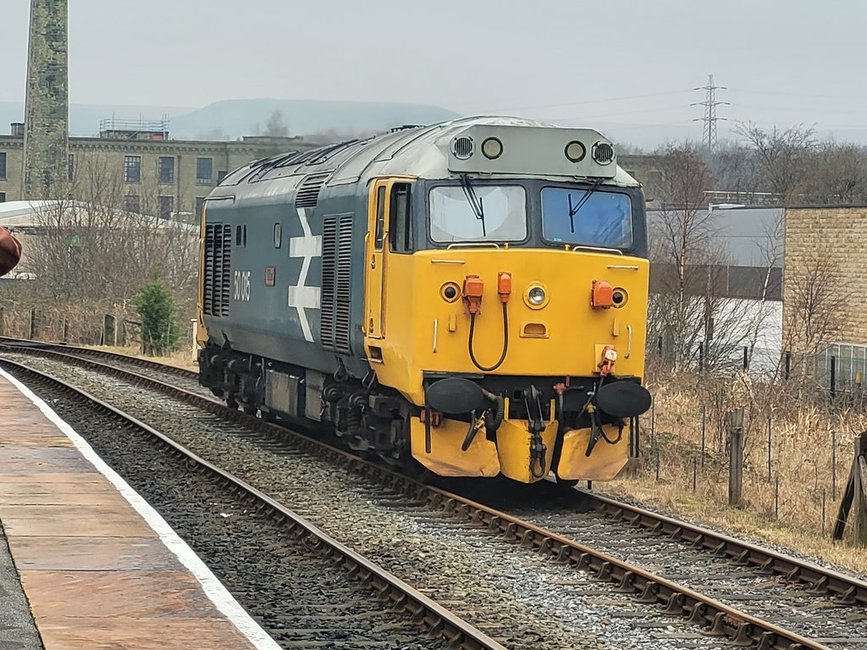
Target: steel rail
(11, 342)
(819, 579)
(716, 617)
(425, 611)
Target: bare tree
(783, 156)
(690, 309)
(838, 174)
(680, 239)
(811, 298)
(103, 246)
(276, 125)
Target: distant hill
(233, 118)
(237, 117)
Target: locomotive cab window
(587, 217)
(473, 212)
(380, 218)
(400, 223)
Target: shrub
(155, 307)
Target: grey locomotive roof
(417, 151)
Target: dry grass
(180, 358)
(803, 432)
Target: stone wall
(825, 276)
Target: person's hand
(10, 251)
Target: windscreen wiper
(474, 201)
(574, 210)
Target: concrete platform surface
(97, 565)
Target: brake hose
(505, 342)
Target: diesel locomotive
(469, 296)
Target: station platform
(86, 562)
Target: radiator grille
(335, 327)
(307, 195)
(218, 270)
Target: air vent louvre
(335, 326)
(307, 195)
(217, 271)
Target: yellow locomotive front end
(518, 331)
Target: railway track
(317, 591)
(719, 619)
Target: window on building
(200, 203)
(3, 165)
(204, 171)
(70, 167)
(167, 206)
(166, 169)
(132, 169)
(2, 197)
(132, 203)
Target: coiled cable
(505, 342)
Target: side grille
(329, 278)
(344, 290)
(307, 194)
(336, 288)
(218, 270)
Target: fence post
(833, 377)
(32, 326)
(788, 363)
(736, 456)
(701, 356)
(2, 321)
(109, 330)
(65, 331)
(746, 359)
(769, 449)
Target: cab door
(376, 257)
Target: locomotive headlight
(575, 151)
(492, 148)
(536, 296)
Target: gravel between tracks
(522, 599)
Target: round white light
(575, 151)
(492, 148)
(536, 296)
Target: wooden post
(2, 321)
(65, 331)
(32, 328)
(109, 330)
(736, 456)
(855, 496)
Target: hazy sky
(622, 62)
